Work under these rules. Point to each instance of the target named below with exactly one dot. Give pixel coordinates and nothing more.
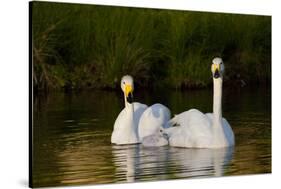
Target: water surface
(72, 132)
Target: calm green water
(72, 139)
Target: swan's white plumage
(227, 130)
(122, 132)
(152, 119)
(194, 129)
(125, 130)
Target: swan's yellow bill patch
(128, 89)
(215, 66)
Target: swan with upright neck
(194, 129)
(138, 123)
(125, 130)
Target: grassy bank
(85, 46)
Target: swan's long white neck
(217, 112)
(129, 107)
(125, 100)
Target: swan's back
(193, 129)
(152, 119)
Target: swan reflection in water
(138, 163)
(201, 162)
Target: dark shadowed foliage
(86, 46)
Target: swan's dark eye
(124, 82)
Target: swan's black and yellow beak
(129, 93)
(216, 73)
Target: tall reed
(87, 46)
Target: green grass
(86, 46)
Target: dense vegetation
(86, 46)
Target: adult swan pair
(190, 129)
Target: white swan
(125, 130)
(197, 130)
(152, 119)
